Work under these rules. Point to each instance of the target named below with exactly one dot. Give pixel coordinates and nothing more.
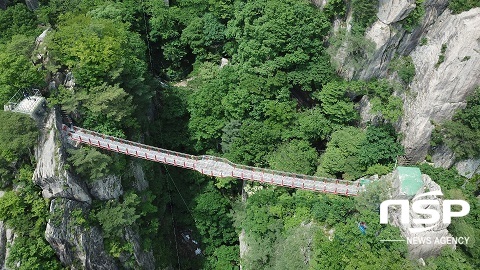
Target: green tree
(295, 156)
(295, 251)
(109, 103)
(17, 135)
(364, 14)
(212, 219)
(448, 258)
(114, 216)
(25, 211)
(341, 157)
(313, 125)
(226, 258)
(404, 67)
(383, 100)
(267, 39)
(458, 6)
(336, 105)
(18, 71)
(205, 36)
(100, 50)
(380, 146)
(16, 20)
(90, 163)
(414, 18)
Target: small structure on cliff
(28, 102)
(408, 181)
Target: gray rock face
(32, 4)
(468, 167)
(399, 41)
(390, 11)
(107, 188)
(76, 245)
(443, 157)
(3, 245)
(50, 173)
(440, 88)
(141, 182)
(379, 33)
(144, 259)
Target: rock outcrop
(143, 258)
(443, 157)
(107, 188)
(390, 11)
(76, 245)
(6, 240)
(438, 231)
(50, 173)
(468, 167)
(445, 50)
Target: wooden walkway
(213, 166)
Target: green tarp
(410, 180)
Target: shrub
(404, 67)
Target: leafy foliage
(17, 136)
(364, 14)
(342, 155)
(90, 162)
(115, 216)
(336, 105)
(211, 218)
(18, 72)
(296, 156)
(458, 6)
(16, 20)
(415, 16)
(26, 213)
(404, 67)
(277, 103)
(462, 134)
(384, 101)
(380, 146)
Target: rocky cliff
(75, 244)
(445, 50)
(79, 245)
(448, 70)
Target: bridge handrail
(218, 159)
(131, 143)
(276, 172)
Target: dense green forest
(279, 103)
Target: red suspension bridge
(212, 166)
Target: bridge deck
(213, 166)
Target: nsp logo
(418, 207)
